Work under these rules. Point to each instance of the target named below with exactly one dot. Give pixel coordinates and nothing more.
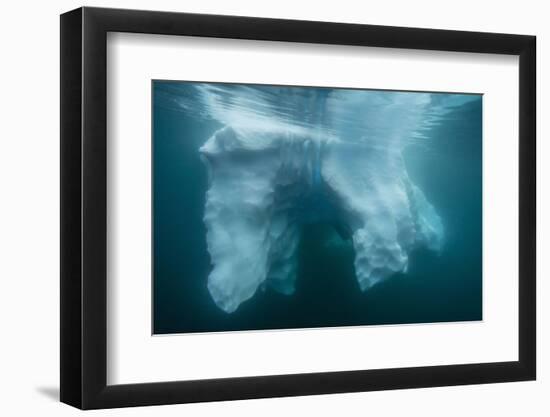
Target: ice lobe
(264, 185)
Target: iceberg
(267, 182)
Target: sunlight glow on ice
(325, 155)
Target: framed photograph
(257, 208)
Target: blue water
(442, 148)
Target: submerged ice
(266, 184)
(285, 157)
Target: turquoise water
(440, 137)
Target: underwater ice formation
(265, 184)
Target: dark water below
(436, 288)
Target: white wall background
(29, 209)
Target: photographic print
(291, 207)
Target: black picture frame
(84, 207)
